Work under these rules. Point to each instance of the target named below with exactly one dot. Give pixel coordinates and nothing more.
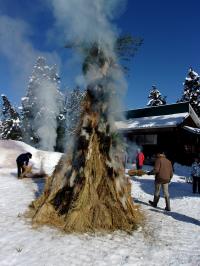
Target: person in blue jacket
(195, 172)
(22, 160)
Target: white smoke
(49, 110)
(88, 22)
(16, 47)
(42, 105)
(131, 149)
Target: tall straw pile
(88, 190)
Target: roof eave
(194, 116)
(146, 128)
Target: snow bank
(10, 150)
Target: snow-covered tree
(42, 106)
(191, 91)
(1, 118)
(69, 117)
(10, 121)
(73, 106)
(156, 98)
(1, 129)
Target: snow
(10, 149)
(152, 121)
(192, 129)
(168, 238)
(24, 98)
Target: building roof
(158, 110)
(152, 121)
(165, 116)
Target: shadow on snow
(179, 217)
(40, 183)
(176, 189)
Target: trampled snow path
(170, 238)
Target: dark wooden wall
(179, 145)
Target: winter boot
(167, 208)
(155, 201)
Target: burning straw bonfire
(88, 190)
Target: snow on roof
(192, 129)
(152, 121)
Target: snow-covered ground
(169, 238)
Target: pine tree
(71, 107)
(42, 106)
(125, 48)
(156, 98)
(1, 128)
(11, 123)
(1, 119)
(191, 91)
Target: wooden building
(174, 128)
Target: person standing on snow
(163, 174)
(139, 159)
(125, 158)
(195, 172)
(22, 160)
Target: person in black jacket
(22, 160)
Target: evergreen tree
(42, 106)
(10, 122)
(1, 118)
(125, 48)
(191, 91)
(1, 128)
(155, 98)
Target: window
(145, 139)
(150, 139)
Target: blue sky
(170, 30)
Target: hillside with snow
(168, 238)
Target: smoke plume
(16, 47)
(47, 123)
(87, 22)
